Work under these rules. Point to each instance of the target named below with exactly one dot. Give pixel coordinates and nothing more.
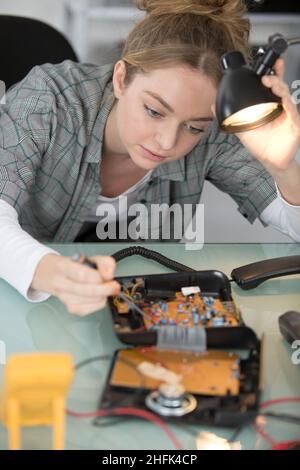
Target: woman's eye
(151, 112)
(194, 130)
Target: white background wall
(50, 11)
(222, 221)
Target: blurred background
(97, 28)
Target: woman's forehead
(177, 86)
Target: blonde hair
(191, 32)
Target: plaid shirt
(51, 134)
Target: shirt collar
(97, 132)
(173, 171)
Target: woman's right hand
(82, 289)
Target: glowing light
(251, 114)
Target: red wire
(130, 412)
(278, 401)
(158, 422)
(285, 445)
(264, 435)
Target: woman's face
(161, 115)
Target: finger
(106, 266)
(279, 68)
(79, 272)
(278, 87)
(271, 81)
(80, 305)
(291, 110)
(281, 89)
(86, 291)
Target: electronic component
(289, 325)
(171, 400)
(208, 373)
(190, 355)
(213, 387)
(186, 307)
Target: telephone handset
(252, 275)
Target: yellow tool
(35, 386)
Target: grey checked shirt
(51, 134)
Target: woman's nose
(167, 138)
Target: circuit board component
(191, 310)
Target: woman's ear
(213, 109)
(119, 78)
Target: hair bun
(217, 9)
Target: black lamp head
(243, 102)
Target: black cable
(279, 416)
(239, 429)
(106, 358)
(111, 420)
(283, 417)
(137, 392)
(154, 255)
(91, 359)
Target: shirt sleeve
(26, 122)
(20, 254)
(283, 216)
(233, 170)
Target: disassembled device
(191, 357)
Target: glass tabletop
(47, 326)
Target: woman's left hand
(275, 144)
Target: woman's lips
(151, 156)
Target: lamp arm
(293, 41)
(277, 45)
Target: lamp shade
(243, 102)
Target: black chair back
(26, 42)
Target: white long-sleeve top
(20, 253)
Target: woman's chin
(143, 162)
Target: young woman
(75, 136)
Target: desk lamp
(243, 102)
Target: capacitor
(209, 313)
(209, 301)
(218, 321)
(196, 318)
